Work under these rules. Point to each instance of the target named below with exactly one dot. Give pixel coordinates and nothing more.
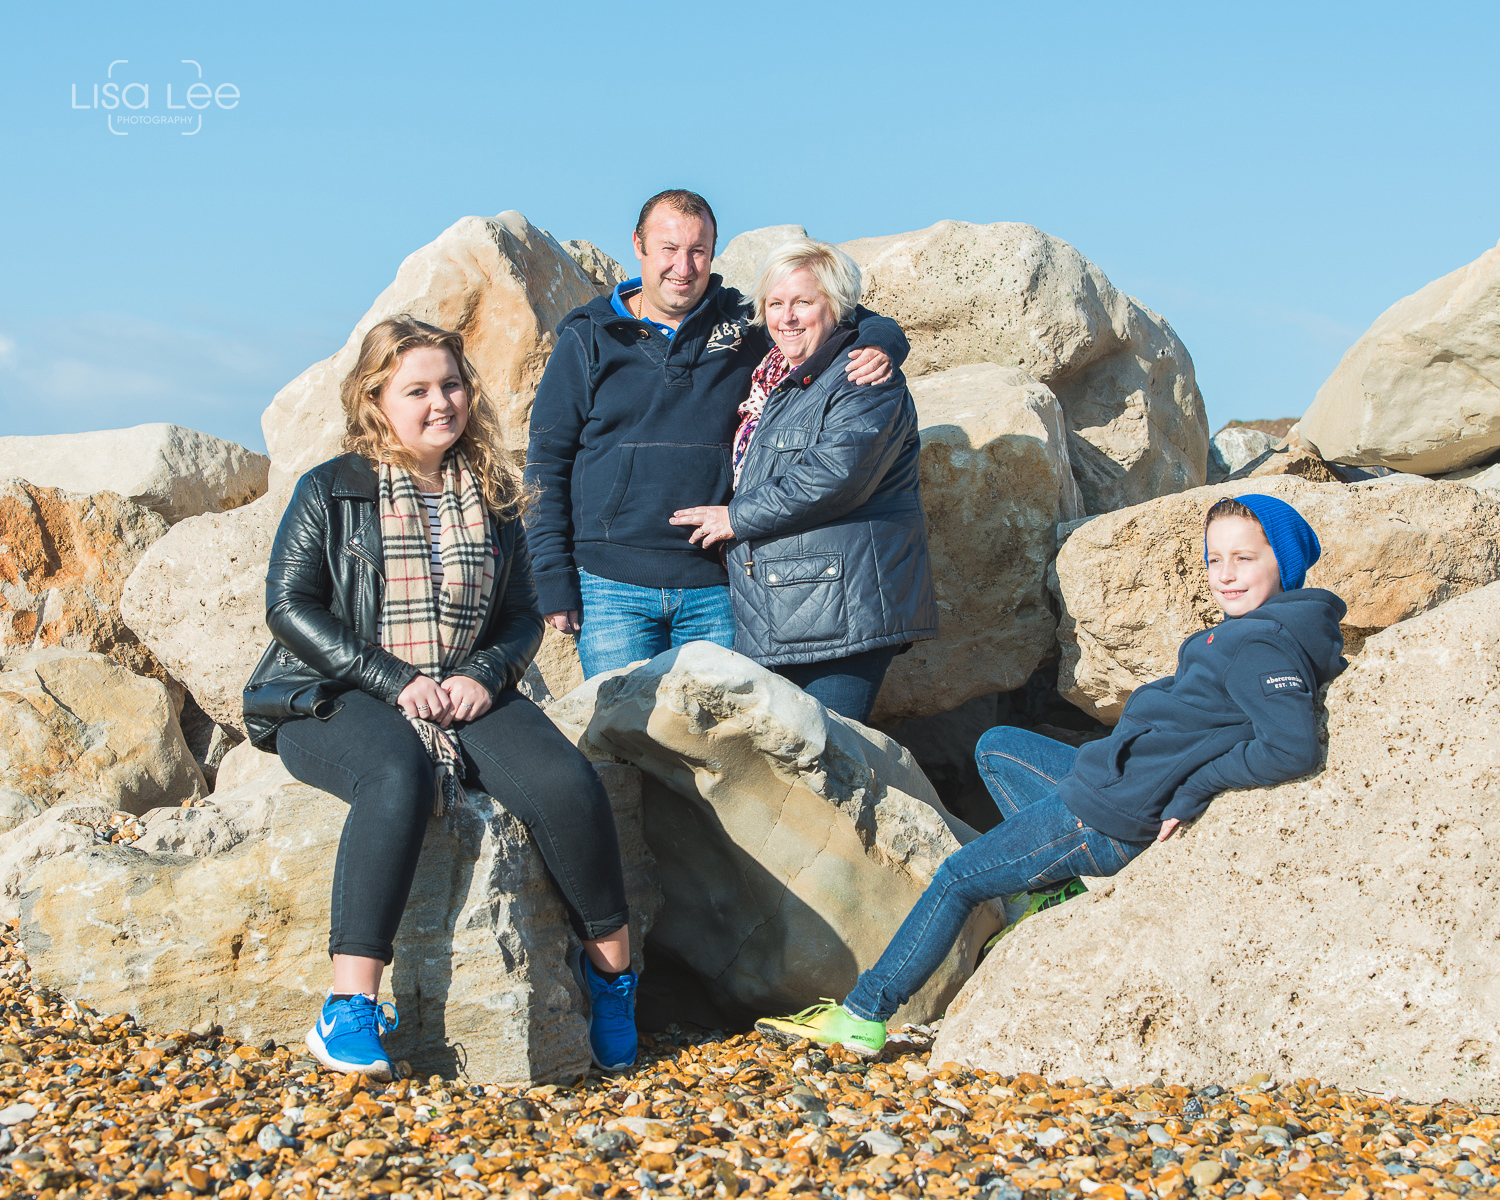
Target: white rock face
(1420, 390)
(1131, 585)
(60, 829)
(791, 842)
(1486, 479)
(197, 599)
(739, 261)
(226, 919)
(1013, 295)
(75, 726)
(173, 471)
(1339, 926)
(1232, 448)
(996, 481)
(501, 282)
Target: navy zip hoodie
(629, 426)
(1239, 712)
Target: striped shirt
(435, 532)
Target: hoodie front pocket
(805, 597)
(655, 479)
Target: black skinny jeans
(368, 755)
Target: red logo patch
(1210, 639)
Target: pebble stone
(98, 1106)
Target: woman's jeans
(368, 755)
(623, 623)
(847, 686)
(1039, 842)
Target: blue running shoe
(612, 1038)
(349, 1035)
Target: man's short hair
(838, 276)
(689, 204)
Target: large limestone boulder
(1131, 585)
(500, 281)
(1420, 390)
(64, 559)
(1486, 478)
(1010, 294)
(197, 599)
(78, 727)
(237, 933)
(49, 832)
(1340, 926)
(739, 261)
(996, 481)
(173, 471)
(791, 842)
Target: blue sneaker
(349, 1035)
(612, 1038)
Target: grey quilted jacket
(831, 557)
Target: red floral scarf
(772, 370)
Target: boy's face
(1242, 570)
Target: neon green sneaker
(825, 1024)
(1027, 904)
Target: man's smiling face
(676, 257)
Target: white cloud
(103, 371)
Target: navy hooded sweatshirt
(629, 426)
(1239, 712)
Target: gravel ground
(94, 1106)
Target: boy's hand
(1168, 828)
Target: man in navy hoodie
(633, 420)
(1238, 713)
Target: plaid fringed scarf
(435, 634)
(772, 370)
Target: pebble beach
(95, 1106)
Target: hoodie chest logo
(728, 335)
(1210, 639)
(1282, 681)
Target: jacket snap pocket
(805, 597)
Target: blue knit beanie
(1292, 539)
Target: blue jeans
(847, 686)
(1039, 842)
(624, 623)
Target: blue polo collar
(617, 301)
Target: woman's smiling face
(1242, 569)
(799, 316)
(426, 404)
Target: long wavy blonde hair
(368, 432)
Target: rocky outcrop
(602, 271)
(225, 919)
(1131, 585)
(1235, 447)
(173, 471)
(1420, 390)
(501, 282)
(1340, 926)
(791, 842)
(197, 599)
(1013, 295)
(739, 261)
(996, 480)
(60, 829)
(78, 727)
(64, 559)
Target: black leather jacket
(324, 589)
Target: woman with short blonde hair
(829, 572)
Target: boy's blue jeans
(1039, 842)
(624, 622)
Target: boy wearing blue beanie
(1239, 712)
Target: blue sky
(1268, 178)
